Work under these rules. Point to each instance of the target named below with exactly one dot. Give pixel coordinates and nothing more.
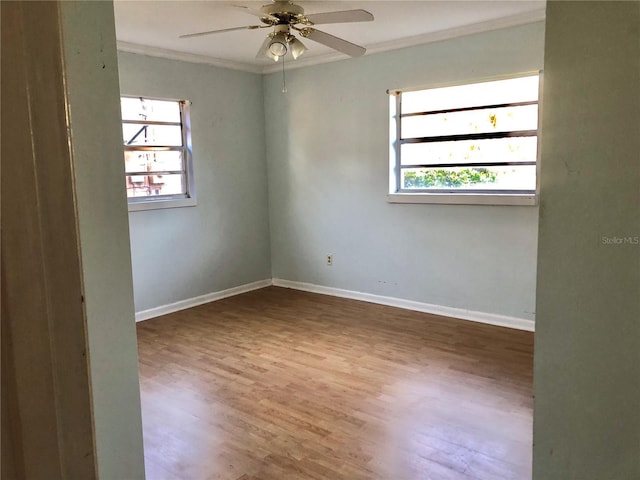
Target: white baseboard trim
(481, 317)
(195, 301)
(474, 316)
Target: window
(474, 143)
(157, 153)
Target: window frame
(396, 194)
(187, 199)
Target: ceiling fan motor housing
(283, 13)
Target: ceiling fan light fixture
(297, 47)
(278, 45)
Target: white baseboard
(474, 316)
(481, 317)
(195, 301)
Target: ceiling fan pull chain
(284, 81)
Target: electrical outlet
(329, 259)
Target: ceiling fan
(284, 16)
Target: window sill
(464, 198)
(160, 204)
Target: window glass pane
(472, 121)
(151, 135)
(511, 149)
(145, 109)
(520, 177)
(154, 185)
(154, 161)
(522, 89)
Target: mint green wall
(587, 357)
(92, 88)
(222, 242)
(327, 152)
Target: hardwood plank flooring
(281, 384)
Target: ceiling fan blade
(336, 43)
(344, 16)
(211, 32)
(255, 12)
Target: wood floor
(280, 384)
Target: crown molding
(451, 33)
(187, 57)
(533, 16)
(456, 32)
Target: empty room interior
(328, 260)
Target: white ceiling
(153, 27)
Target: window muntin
(157, 151)
(135, 108)
(521, 89)
(476, 138)
(490, 179)
(152, 135)
(482, 120)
